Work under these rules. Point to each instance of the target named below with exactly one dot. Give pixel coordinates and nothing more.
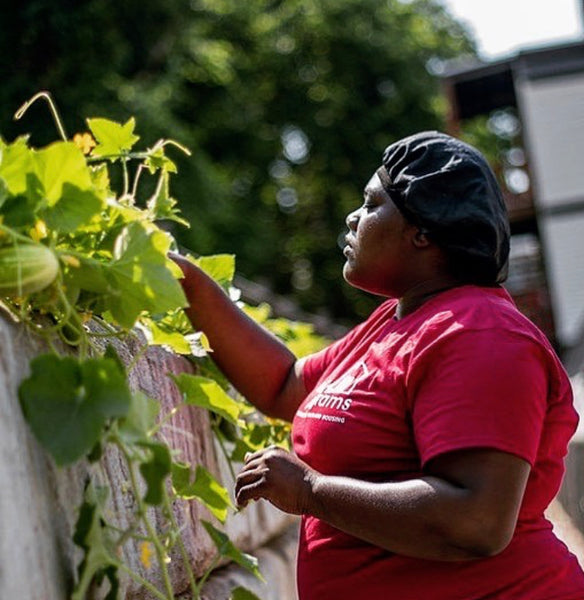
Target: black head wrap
(447, 188)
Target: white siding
(563, 238)
(552, 112)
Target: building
(536, 98)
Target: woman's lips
(348, 249)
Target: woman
(430, 439)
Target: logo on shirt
(336, 395)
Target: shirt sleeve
(479, 389)
(315, 365)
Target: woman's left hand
(278, 476)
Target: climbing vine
(81, 265)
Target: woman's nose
(353, 219)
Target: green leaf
(140, 420)
(68, 402)
(113, 138)
(158, 160)
(241, 593)
(154, 471)
(59, 164)
(75, 208)
(260, 313)
(19, 211)
(111, 573)
(92, 537)
(226, 548)
(89, 275)
(100, 179)
(221, 267)
(165, 336)
(205, 487)
(162, 206)
(206, 393)
(106, 386)
(112, 353)
(17, 166)
(3, 191)
(141, 275)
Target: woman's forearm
(256, 362)
(424, 518)
(464, 507)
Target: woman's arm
(465, 507)
(255, 361)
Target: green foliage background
(228, 79)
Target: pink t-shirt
(465, 370)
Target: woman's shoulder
(483, 311)
(480, 308)
(482, 327)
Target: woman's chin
(349, 273)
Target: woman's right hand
(257, 363)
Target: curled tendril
(47, 97)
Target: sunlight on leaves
(141, 275)
(59, 164)
(113, 139)
(205, 487)
(221, 267)
(207, 393)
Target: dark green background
(227, 78)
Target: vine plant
(107, 277)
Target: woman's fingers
(276, 475)
(250, 456)
(249, 491)
(249, 484)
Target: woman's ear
(420, 238)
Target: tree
(286, 105)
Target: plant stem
(209, 570)
(166, 418)
(159, 184)
(74, 321)
(219, 438)
(162, 143)
(136, 358)
(17, 236)
(126, 177)
(143, 582)
(142, 512)
(181, 545)
(136, 179)
(129, 156)
(126, 534)
(45, 96)
(80, 255)
(113, 334)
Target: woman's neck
(423, 291)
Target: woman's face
(379, 249)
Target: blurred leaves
(287, 107)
